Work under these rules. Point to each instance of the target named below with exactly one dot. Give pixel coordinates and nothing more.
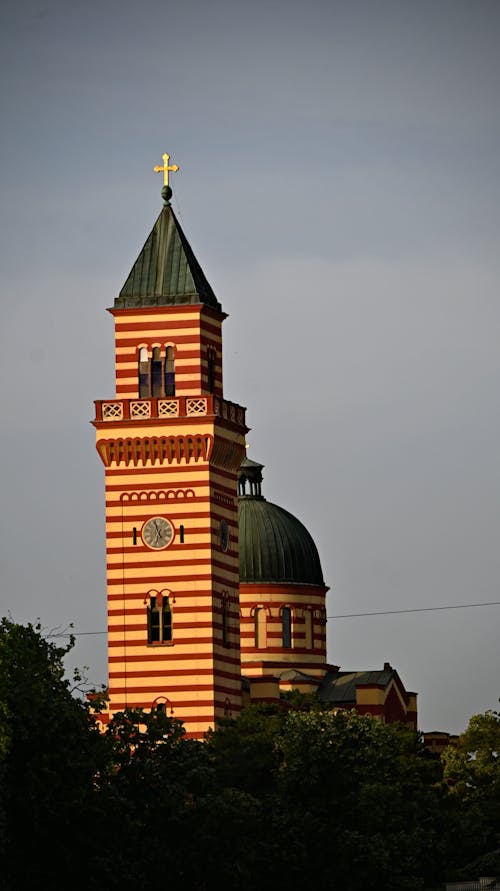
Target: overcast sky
(340, 187)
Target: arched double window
(156, 373)
(159, 619)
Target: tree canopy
(472, 769)
(50, 753)
(280, 797)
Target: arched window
(169, 372)
(260, 630)
(286, 628)
(156, 373)
(225, 620)
(308, 628)
(211, 369)
(159, 619)
(162, 706)
(143, 373)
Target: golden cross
(166, 167)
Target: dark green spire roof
(166, 271)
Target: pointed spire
(166, 271)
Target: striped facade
(194, 332)
(263, 648)
(171, 457)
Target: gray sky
(340, 186)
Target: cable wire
(420, 609)
(382, 612)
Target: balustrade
(110, 410)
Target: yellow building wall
(262, 650)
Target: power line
(421, 609)
(74, 633)
(382, 612)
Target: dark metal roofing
(166, 271)
(294, 674)
(340, 686)
(274, 546)
(248, 464)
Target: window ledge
(161, 643)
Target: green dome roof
(274, 546)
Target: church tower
(171, 446)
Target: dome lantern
(250, 473)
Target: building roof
(274, 546)
(294, 674)
(340, 686)
(166, 271)
(248, 466)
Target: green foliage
(357, 786)
(50, 754)
(244, 752)
(282, 797)
(472, 769)
(473, 765)
(343, 792)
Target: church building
(216, 597)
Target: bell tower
(171, 446)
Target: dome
(274, 546)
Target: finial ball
(166, 194)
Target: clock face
(224, 535)
(157, 532)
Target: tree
(341, 795)
(185, 810)
(155, 776)
(472, 769)
(244, 752)
(368, 816)
(473, 765)
(269, 799)
(51, 752)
